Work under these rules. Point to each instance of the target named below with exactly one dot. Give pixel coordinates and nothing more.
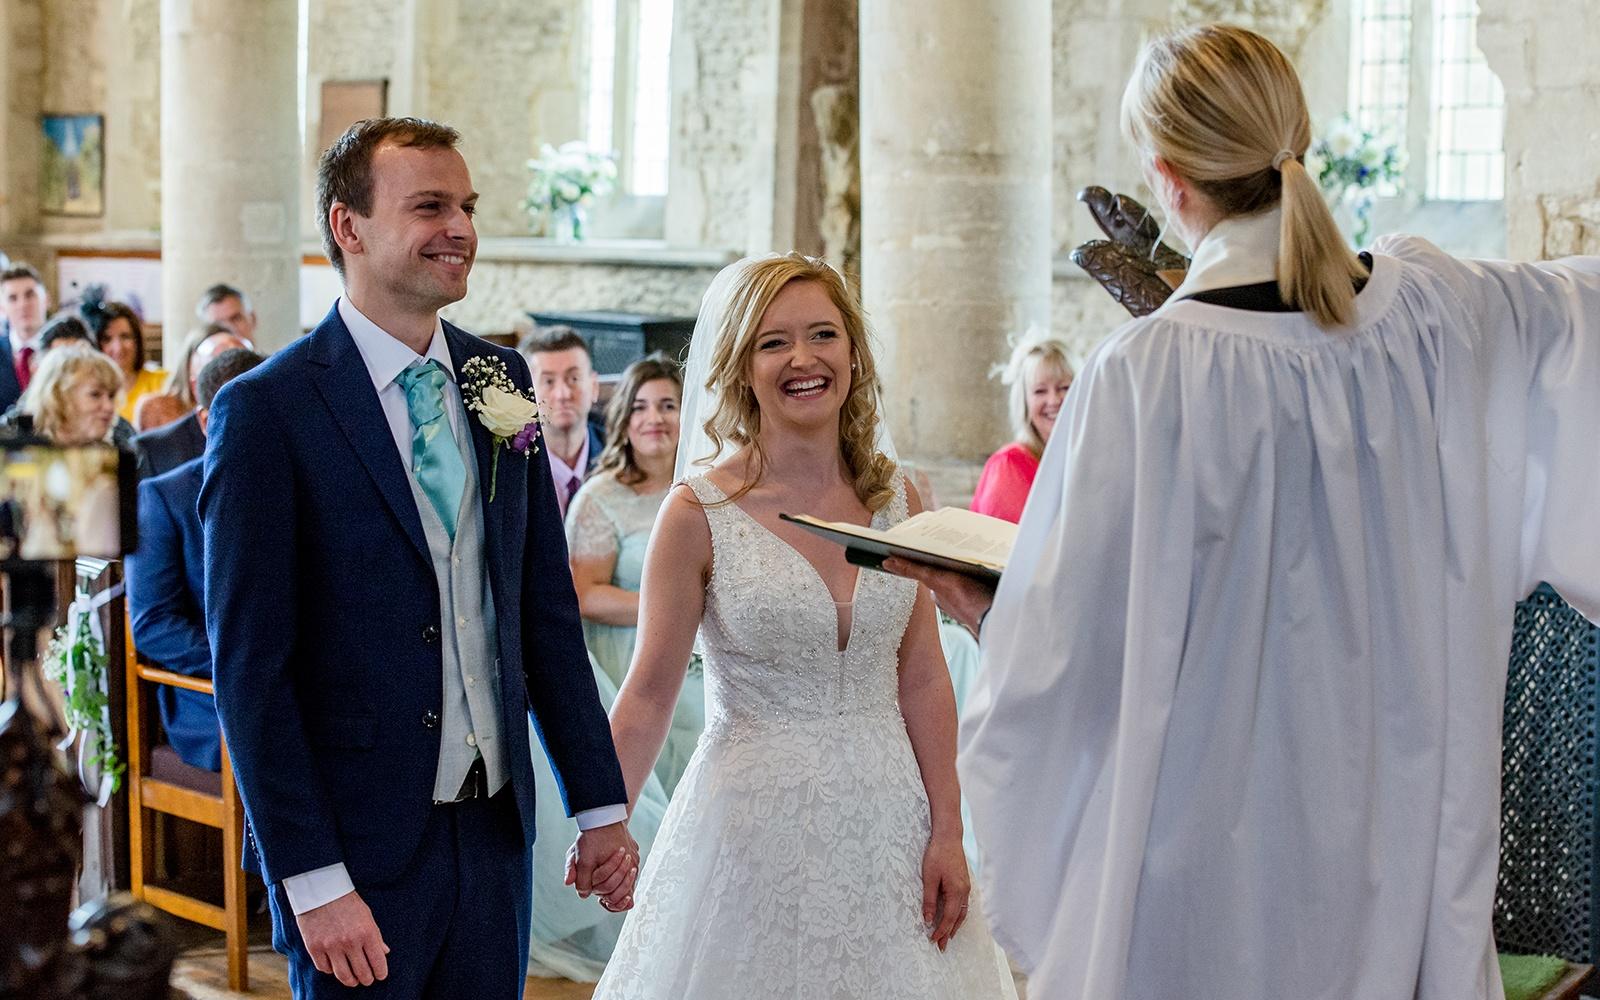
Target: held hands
(343, 941)
(962, 597)
(605, 861)
(945, 888)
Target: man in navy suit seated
(166, 591)
(169, 446)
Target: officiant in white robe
(1237, 730)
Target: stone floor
(201, 973)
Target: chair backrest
(148, 795)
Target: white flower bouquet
(565, 182)
(1349, 162)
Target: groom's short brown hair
(345, 173)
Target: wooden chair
(161, 783)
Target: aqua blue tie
(435, 459)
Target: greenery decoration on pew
(75, 660)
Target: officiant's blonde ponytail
(1224, 109)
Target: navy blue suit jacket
(10, 388)
(323, 612)
(165, 448)
(166, 588)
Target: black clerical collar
(1264, 297)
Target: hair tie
(1283, 154)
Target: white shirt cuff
(601, 816)
(317, 888)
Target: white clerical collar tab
(1241, 250)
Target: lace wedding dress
(789, 863)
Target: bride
(813, 847)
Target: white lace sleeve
(591, 531)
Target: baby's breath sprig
(481, 373)
(511, 415)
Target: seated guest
(119, 335)
(1039, 375)
(225, 305)
(167, 447)
(24, 303)
(65, 329)
(72, 398)
(565, 383)
(157, 410)
(166, 585)
(607, 528)
(609, 525)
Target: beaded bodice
(771, 630)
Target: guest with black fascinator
(119, 335)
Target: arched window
(1419, 78)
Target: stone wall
(509, 72)
(506, 286)
(383, 52)
(1544, 53)
(506, 73)
(22, 62)
(132, 33)
(73, 77)
(725, 78)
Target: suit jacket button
(430, 719)
(430, 634)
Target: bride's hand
(945, 888)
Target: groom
(381, 627)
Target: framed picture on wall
(72, 178)
(345, 102)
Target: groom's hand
(343, 941)
(605, 861)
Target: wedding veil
(696, 453)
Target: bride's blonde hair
(1223, 107)
(755, 283)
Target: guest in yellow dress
(120, 337)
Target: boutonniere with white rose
(509, 414)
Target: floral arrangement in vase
(1349, 162)
(565, 182)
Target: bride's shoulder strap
(702, 488)
(900, 505)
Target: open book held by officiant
(950, 538)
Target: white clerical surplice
(1238, 729)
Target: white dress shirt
(386, 357)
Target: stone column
(230, 161)
(955, 179)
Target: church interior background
(932, 149)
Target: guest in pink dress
(1039, 375)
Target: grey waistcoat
(470, 719)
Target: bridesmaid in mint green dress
(608, 527)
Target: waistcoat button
(430, 634)
(430, 719)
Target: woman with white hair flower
(1039, 375)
